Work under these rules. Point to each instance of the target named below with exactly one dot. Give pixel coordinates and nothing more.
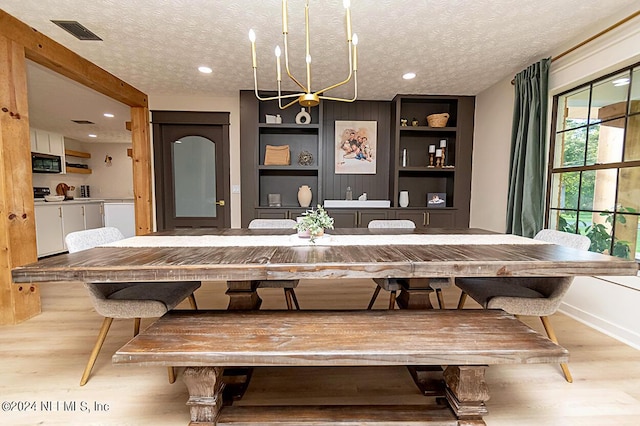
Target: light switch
(235, 189)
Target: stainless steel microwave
(45, 163)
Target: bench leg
(205, 387)
(466, 391)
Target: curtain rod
(593, 37)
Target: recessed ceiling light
(108, 115)
(621, 81)
(409, 75)
(205, 70)
(93, 136)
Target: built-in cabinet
(46, 142)
(403, 159)
(432, 163)
(55, 220)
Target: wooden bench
(465, 341)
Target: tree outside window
(594, 177)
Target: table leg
(205, 394)
(415, 294)
(466, 391)
(242, 297)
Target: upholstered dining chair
(392, 285)
(126, 300)
(287, 286)
(532, 296)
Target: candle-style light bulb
(355, 52)
(347, 5)
(278, 70)
(252, 38)
(285, 25)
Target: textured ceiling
(454, 46)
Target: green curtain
(525, 206)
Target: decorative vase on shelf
(303, 117)
(304, 196)
(404, 198)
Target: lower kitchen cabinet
(55, 220)
(279, 213)
(348, 218)
(49, 229)
(429, 218)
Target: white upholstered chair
(392, 285)
(534, 296)
(126, 300)
(287, 286)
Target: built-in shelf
(79, 154)
(426, 129)
(80, 170)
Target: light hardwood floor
(42, 361)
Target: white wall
(212, 104)
(491, 152)
(608, 305)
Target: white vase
(304, 196)
(404, 198)
(303, 117)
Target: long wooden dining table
(242, 258)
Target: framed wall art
(355, 147)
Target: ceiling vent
(76, 29)
(83, 122)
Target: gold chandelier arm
(345, 81)
(270, 98)
(293, 102)
(355, 92)
(286, 64)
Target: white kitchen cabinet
(46, 142)
(72, 218)
(93, 215)
(121, 216)
(55, 220)
(49, 229)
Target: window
(594, 178)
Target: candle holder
(438, 158)
(431, 155)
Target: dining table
(242, 257)
(245, 257)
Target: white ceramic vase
(404, 198)
(304, 196)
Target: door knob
(220, 203)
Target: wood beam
(43, 50)
(17, 220)
(142, 170)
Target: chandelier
(307, 97)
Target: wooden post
(17, 221)
(141, 169)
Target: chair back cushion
(392, 223)
(566, 239)
(84, 240)
(272, 224)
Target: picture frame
(436, 200)
(355, 147)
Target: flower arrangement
(313, 223)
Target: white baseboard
(622, 334)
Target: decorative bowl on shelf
(438, 120)
(54, 197)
